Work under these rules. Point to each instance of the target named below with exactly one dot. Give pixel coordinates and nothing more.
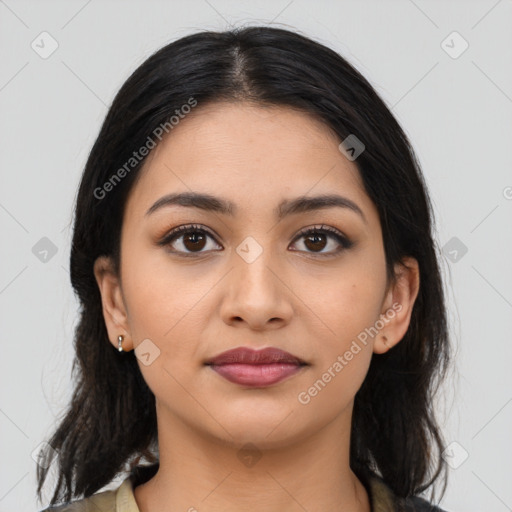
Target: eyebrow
(208, 202)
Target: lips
(256, 368)
(245, 355)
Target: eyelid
(185, 228)
(342, 239)
(323, 228)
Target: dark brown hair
(110, 424)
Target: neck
(201, 473)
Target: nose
(256, 294)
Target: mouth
(256, 368)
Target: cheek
(166, 304)
(350, 303)
(163, 306)
(156, 295)
(333, 387)
(343, 353)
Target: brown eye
(194, 241)
(186, 239)
(317, 239)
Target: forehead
(256, 155)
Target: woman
(262, 314)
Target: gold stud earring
(120, 339)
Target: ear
(114, 309)
(398, 304)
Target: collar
(382, 498)
(380, 495)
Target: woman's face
(249, 279)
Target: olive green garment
(122, 498)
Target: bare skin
(291, 296)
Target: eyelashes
(197, 236)
(329, 232)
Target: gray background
(457, 112)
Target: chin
(265, 433)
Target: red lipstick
(256, 368)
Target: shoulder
(121, 499)
(416, 504)
(383, 499)
(104, 501)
